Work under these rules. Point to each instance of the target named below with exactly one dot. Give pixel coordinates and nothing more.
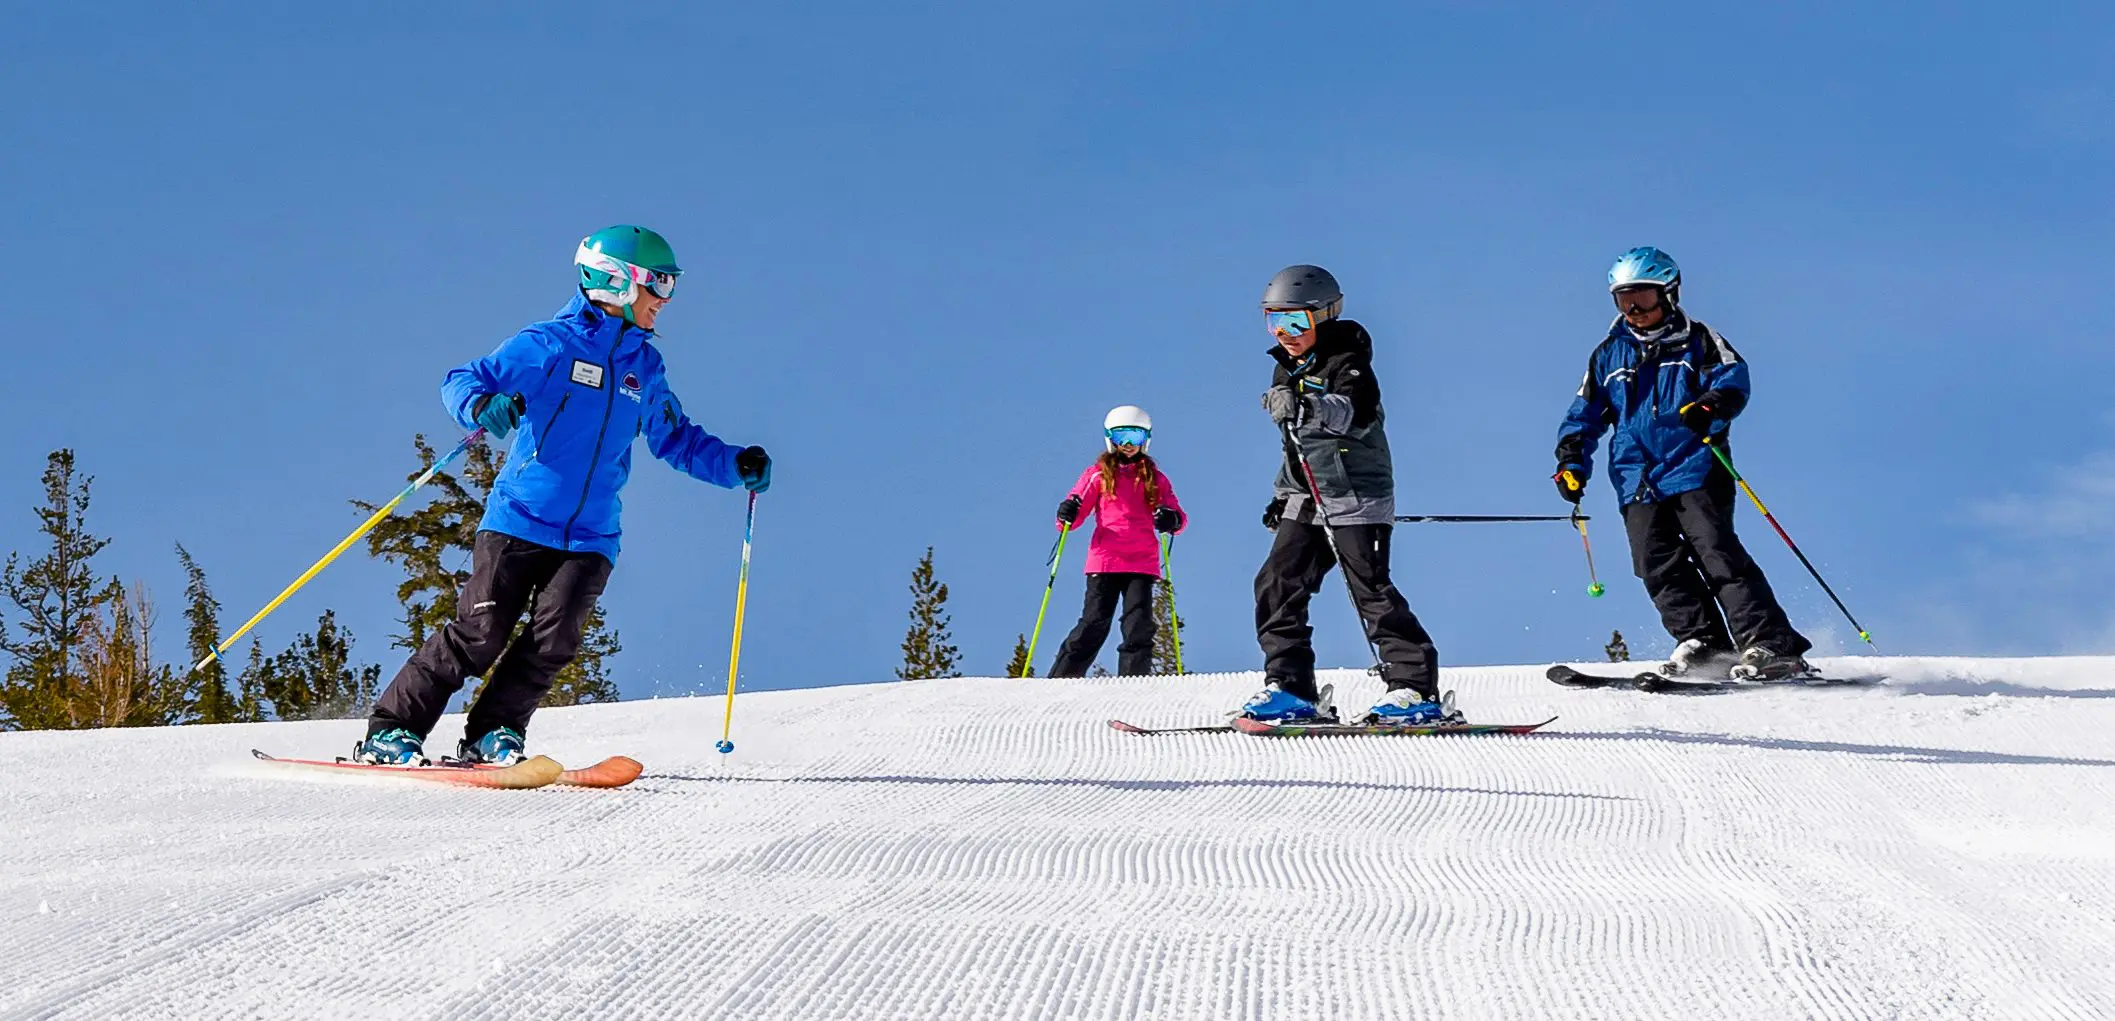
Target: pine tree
(314, 679)
(120, 684)
(1019, 666)
(928, 649)
(249, 692)
(1165, 624)
(56, 595)
(212, 702)
(426, 540)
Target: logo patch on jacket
(630, 387)
(587, 373)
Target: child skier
(1327, 406)
(1131, 499)
(581, 387)
(1667, 385)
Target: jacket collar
(597, 325)
(1337, 336)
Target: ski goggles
(1289, 323)
(1641, 298)
(1130, 435)
(663, 285)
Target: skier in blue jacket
(1664, 385)
(579, 388)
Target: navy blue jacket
(592, 383)
(1636, 390)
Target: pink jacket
(1124, 540)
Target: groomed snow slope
(1942, 846)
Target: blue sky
(929, 245)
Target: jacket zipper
(548, 426)
(609, 404)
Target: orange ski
(539, 771)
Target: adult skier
(580, 387)
(1326, 404)
(1665, 385)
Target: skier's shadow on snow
(1899, 753)
(1135, 785)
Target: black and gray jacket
(1341, 430)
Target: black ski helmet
(1303, 286)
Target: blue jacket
(592, 383)
(1638, 389)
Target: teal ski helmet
(1647, 265)
(615, 262)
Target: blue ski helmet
(1647, 265)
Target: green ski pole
(1057, 554)
(1167, 577)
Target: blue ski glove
(497, 417)
(754, 466)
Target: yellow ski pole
(741, 607)
(1057, 554)
(318, 566)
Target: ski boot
(501, 746)
(1762, 663)
(1276, 705)
(1404, 707)
(1694, 659)
(393, 747)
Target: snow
(1939, 846)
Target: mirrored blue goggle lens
(1289, 324)
(1131, 435)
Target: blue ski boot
(393, 747)
(1404, 707)
(499, 747)
(1276, 705)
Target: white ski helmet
(1130, 416)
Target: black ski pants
(1293, 573)
(507, 576)
(1134, 656)
(1700, 576)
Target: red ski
(540, 771)
(615, 771)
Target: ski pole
(1057, 554)
(1167, 576)
(1453, 519)
(1329, 532)
(1593, 580)
(318, 566)
(1803, 561)
(741, 608)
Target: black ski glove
(1701, 414)
(1569, 485)
(1272, 513)
(754, 467)
(1069, 511)
(1283, 404)
(1167, 519)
